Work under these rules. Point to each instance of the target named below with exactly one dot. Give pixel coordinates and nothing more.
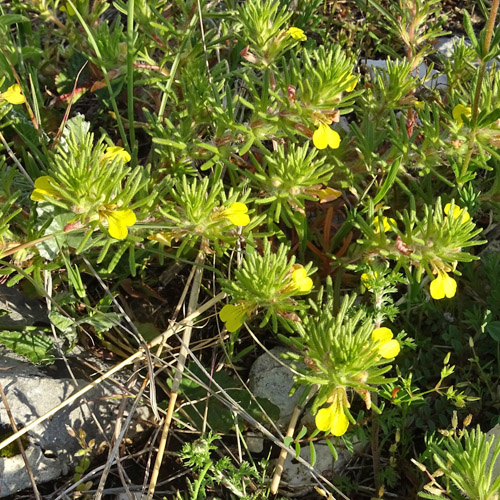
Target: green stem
(112, 98)
(130, 80)
(479, 83)
(201, 480)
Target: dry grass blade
(181, 362)
(139, 354)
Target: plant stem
(130, 81)
(479, 83)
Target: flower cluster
(339, 351)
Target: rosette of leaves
(433, 242)
(201, 209)
(288, 178)
(337, 349)
(265, 280)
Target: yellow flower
(113, 152)
(44, 188)
(301, 281)
(13, 95)
(367, 278)
(386, 223)
(235, 315)
(457, 211)
(443, 286)
(460, 110)
(333, 418)
(237, 214)
(353, 84)
(118, 220)
(325, 136)
(386, 345)
(297, 34)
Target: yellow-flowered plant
(269, 282)
(433, 243)
(93, 183)
(340, 351)
(201, 210)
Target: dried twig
(139, 354)
(181, 362)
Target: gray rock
(272, 378)
(435, 80)
(446, 45)
(16, 310)
(494, 432)
(31, 392)
(297, 480)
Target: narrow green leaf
(8, 19)
(312, 450)
(389, 181)
(470, 30)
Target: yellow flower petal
(339, 424)
(460, 110)
(332, 419)
(389, 349)
(436, 288)
(13, 95)
(353, 84)
(385, 223)
(387, 346)
(113, 152)
(325, 136)
(237, 214)
(382, 334)
(443, 286)
(233, 316)
(301, 281)
(118, 220)
(297, 33)
(44, 187)
(323, 418)
(457, 211)
(449, 285)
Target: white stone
(272, 378)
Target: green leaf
(493, 330)
(302, 432)
(8, 19)
(312, 450)
(484, 121)
(63, 323)
(389, 181)
(34, 346)
(470, 30)
(288, 440)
